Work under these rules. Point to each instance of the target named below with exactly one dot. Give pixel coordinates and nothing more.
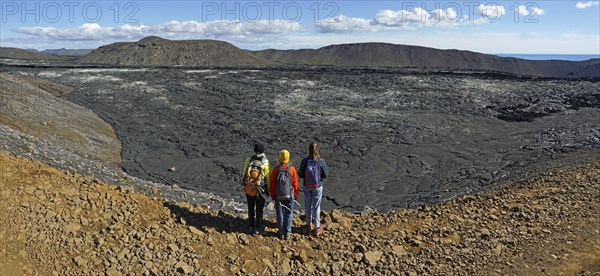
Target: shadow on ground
(222, 221)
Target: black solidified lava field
(392, 138)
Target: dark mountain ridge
(67, 52)
(392, 55)
(158, 51)
(16, 53)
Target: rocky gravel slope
(33, 107)
(57, 223)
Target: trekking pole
(299, 202)
(264, 194)
(300, 206)
(285, 207)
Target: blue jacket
(322, 165)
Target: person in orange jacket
(283, 189)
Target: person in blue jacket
(313, 169)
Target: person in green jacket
(256, 185)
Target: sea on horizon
(551, 56)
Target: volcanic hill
(392, 55)
(68, 52)
(16, 53)
(158, 51)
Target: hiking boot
(309, 229)
(319, 230)
(251, 230)
(282, 236)
(259, 231)
(286, 236)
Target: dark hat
(258, 147)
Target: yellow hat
(284, 157)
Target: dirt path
(54, 223)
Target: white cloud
(487, 14)
(402, 17)
(585, 5)
(418, 16)
(173, 29)
(345, 24)
(387, 20)
(392, 20)
(491, 12)
(524, 11)
(538, 11)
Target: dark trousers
(258, 202)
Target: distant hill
(158, 51)
(16, 53)
(392, 55)
(68, 52)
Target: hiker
(284, 190)
(313, 170)
(256, 182)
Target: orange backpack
(254, 177)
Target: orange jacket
(273, 180)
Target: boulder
(184, 268)
(372, 257)
(196, 231)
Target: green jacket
(266, 169)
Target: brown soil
(55, 223)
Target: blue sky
(528, 27)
